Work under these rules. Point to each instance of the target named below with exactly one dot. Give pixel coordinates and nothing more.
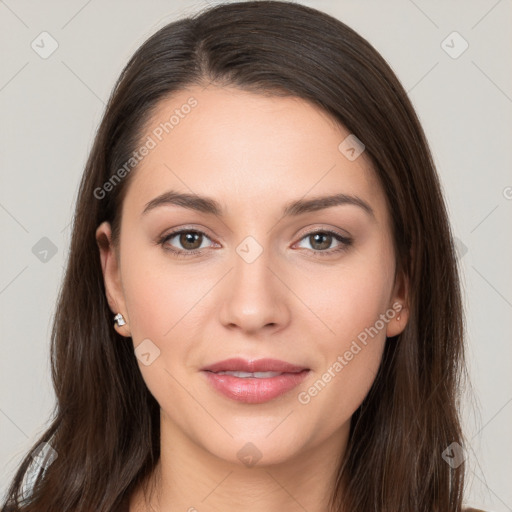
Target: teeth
(257, 375)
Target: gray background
(50, 108)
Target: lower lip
(252, 390)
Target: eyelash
(346, 242)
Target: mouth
(254, 381)
(256, 375)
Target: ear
(399, 303)
(111, 276)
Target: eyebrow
(210, 206)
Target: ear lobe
(111, 274)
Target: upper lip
(251, 366)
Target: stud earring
(119, 319)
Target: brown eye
(188, 240)
(185, 242)
(320, 241)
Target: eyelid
(333, 230)
(344, 242)
(185, 229)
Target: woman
(261, 307)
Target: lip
(254, 390)
(258, 365)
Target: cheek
(160, 301)
(347, 298)
(151, 304)
(353, 306)
(160, 295)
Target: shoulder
(473, 510)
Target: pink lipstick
(256, 381)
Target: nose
(254, 297)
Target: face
(309, 284)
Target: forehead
(242, 148)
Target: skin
(290, 304)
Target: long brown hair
(105, 426)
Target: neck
(188, 478)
